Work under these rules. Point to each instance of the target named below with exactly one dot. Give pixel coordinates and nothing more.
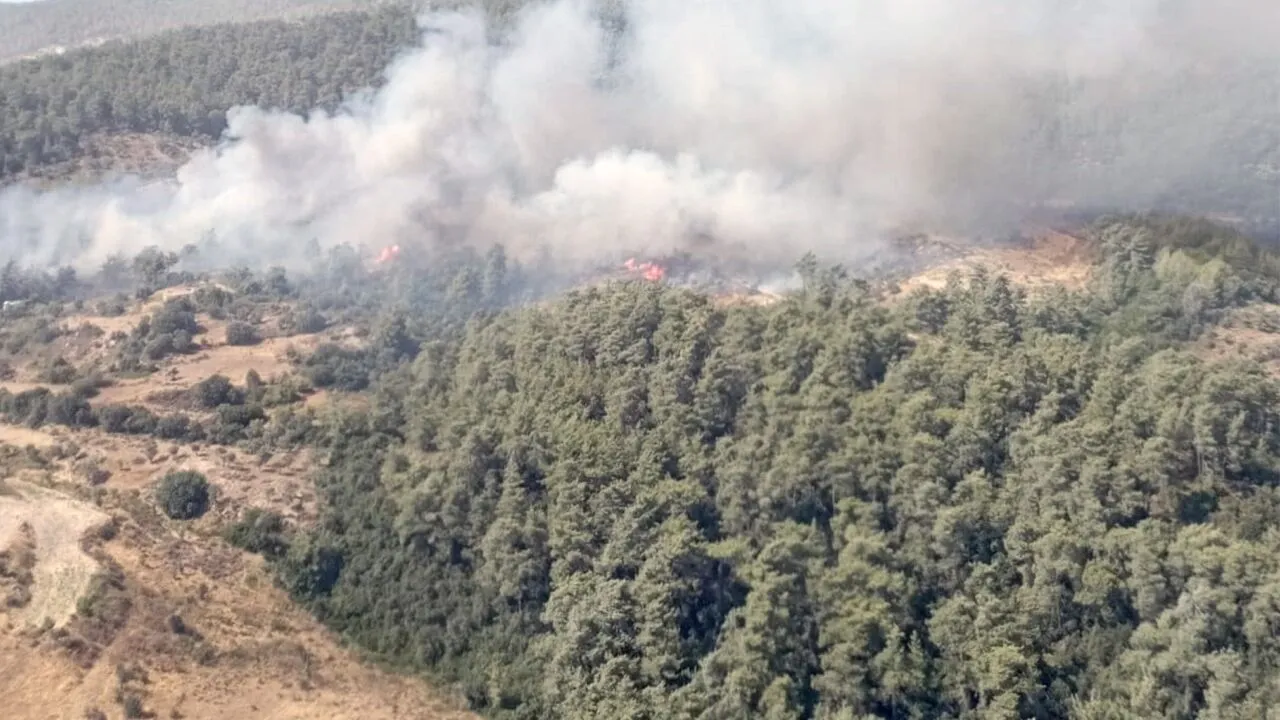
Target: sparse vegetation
(16, 563)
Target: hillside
(27, 28)
(74, 115)
(900, 497)
(116, 602)
(534, 430)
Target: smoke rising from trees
(757, 127)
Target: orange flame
(388, 253)
(652, 272)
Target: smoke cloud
(754, 127)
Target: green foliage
(306, 319)
(59, 372)
(259, 531)
(168, 331)
(183, 495)
(242, 333)
(182, 82)
(217, 390)
(974, 503)
(341, 368)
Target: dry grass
(62, 571)
(242, 648)
(1048, 258)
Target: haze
(756, 128)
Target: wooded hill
(971, 503)
(633, 501)
(29, 27)
(184, 82)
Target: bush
(113, 307)
(259, 531)
(59, 372)
(338, 367)
(173, 427)
(88, 386)
(242, 333)
(176, 315)
(159, 346)
(306, 320)
(183, 495)
(217, 390)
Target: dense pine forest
(635, 502)
(183, 82)
(29, 27)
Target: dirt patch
(22, 437)
(1047, 258)
(205, 634)
(269, 358)
(62, 570)
(139, 154)
(1251, 332)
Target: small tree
(307, 319)
(217, 390)
(183, 495)
(242, 333)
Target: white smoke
(770, 127)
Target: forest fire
(652, 272)
(388, 253)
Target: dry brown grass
(1048, 258)
(61, 570)
(241, 648)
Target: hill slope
(27, 28)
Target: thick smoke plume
(757, 127)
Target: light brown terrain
(1251, 332)
(243, 650)
(1048, 258)
(103, 599)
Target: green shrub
(242, 333)
(306, 319)
(173, 427)
(183, 495)
(217, 390)
(59, 372)
(259, 531)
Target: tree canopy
(973, 502)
